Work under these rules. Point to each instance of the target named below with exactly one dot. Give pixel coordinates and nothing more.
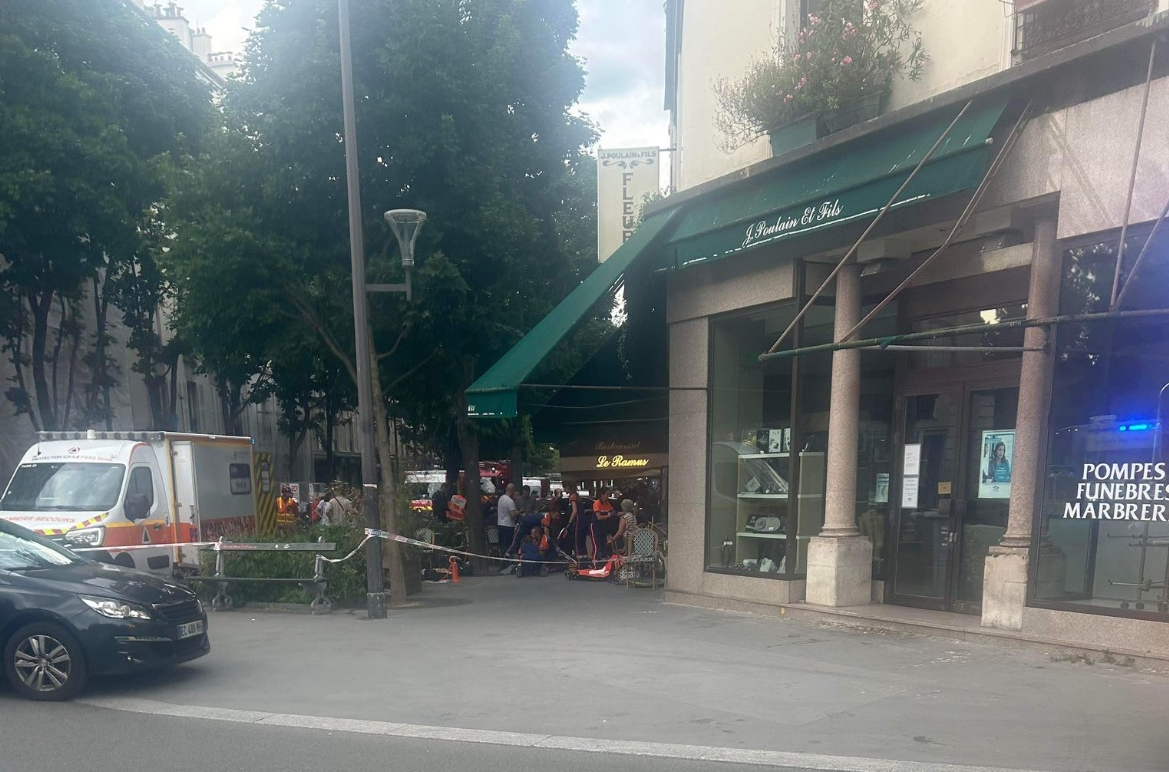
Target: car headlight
(87, 537)
(115, 609)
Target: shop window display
(766, 470)
(1107, 443)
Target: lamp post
(405, 224)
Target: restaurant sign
(621, 462)
(1137, 491)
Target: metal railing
(1053, 25)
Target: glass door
(985, 494)
(923, 523)
(957, 457)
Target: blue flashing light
(1139, 427)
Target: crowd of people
(566, 525)
(328, 508)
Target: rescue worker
(287, 510)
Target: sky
(621, 41)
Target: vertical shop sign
(624, 179)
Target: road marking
(780, 759)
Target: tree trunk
(387, 500)
(330, 439)
(40, 339)
(295, 441)
(469, 443)
(517, 452)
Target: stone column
(1005, 580)
(840, 560)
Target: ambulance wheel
(125, 560)
(44, 662)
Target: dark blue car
(64, 618)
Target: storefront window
(1104, 535)
(766, 469)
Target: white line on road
(781, 759)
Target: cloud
(622, 42)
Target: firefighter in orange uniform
(287, 510)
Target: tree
(93, 99)
(464, 110)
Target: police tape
(370, 533)
(375, 533)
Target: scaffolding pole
(970, 329)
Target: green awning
(495, 395)
(846, 183)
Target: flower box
(864, 109)
(793, 134)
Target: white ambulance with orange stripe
(148, 491)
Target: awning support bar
(1132, 177)
(880, 215)
(975, 349)
(969, 329)
(967, 213)
(1140, 258)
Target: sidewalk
(942, 624)
(597, 660)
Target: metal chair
(426, 535)
(493, 541)
(644, 550)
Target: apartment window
(1043, 26)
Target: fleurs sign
(1137, 491)
(792, 220)
(624, 178)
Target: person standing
(505, 512)
(605, 524)
(286, 510)
(440, 502)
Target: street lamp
(405, 224)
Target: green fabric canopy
(842, 184)
(845, 183)
(494, 395)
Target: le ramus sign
(621, 462)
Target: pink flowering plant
(848, 51)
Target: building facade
(909, 362)
(194, 38)
(997, 467)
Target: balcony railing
(1055, 24)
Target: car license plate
(191, 629)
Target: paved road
(564, 664)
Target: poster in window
(996, 463)
(881, 491)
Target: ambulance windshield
(72, 487)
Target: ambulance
(110, 491)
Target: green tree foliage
(464, 110)
(95, 103)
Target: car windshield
(72, 487)
(23, 550)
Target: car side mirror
(137, 506)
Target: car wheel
(43, 661)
